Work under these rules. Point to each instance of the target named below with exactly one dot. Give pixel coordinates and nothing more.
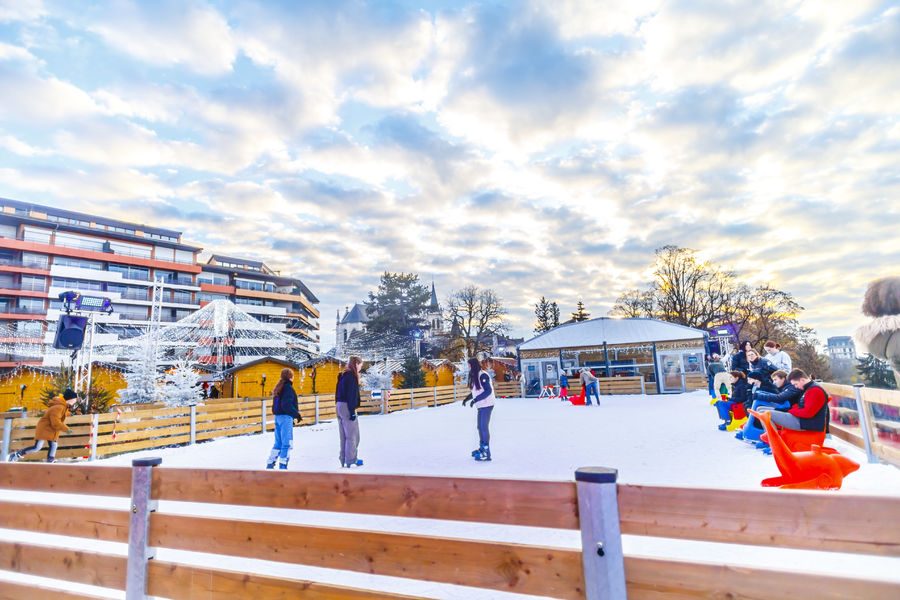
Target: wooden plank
(184, 582)
(26, 591)
(867, 524)
(95, 523)
(66, 479)
(210, 409)
(508, 502)
(143, 434)
(110, 449)
(514, 568)
(130, 425)
(837, 389)
(662, 579)
(89, 568)
(887, 397)
(220, 433)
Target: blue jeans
(484, 423)
(592, 388)
(711, 377)
(284, 438)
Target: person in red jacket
(810, 413)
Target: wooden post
(316, 417)
(412, 395)
(601, 536)
(139, 553)
(865, 424)
(7, 436)
(263, 415)
(194, 424)
(95, 430)
(384, 405)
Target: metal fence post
(643, 387)
(454, 390)
(683, 382)
(263, 416)
(316, 419)
(193, 424)
(601, 536)
(384, 394)
(95, 430)
(139, 526)
(435, 396)
(412, 396)
(7, 436)
(865, 425)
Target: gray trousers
(349, 434)
(782, 419)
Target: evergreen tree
(99, 399)
(398, 306)
(554, 315)
(580, 313)
(413, 375)
(181, 385)
(876, 373)
(542, 314)
(142, 380)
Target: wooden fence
(868, 418)
(593, 503)
(130, 428)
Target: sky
(541, 147)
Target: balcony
(18, 310)
(27, 264)
(24, 288)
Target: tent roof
(612, 331)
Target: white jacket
(486, 392)
(781, 359)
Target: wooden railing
(130, 428)
(596, 505)
(867, 418)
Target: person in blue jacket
(788, 395)
(564, 387)
(284, 407)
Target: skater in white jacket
(483, 399)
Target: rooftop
(611, 331)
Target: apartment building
(45, 251)
(284, 302)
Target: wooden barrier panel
(867, 524)
(508, 502)
(95, 523)
(517, 568)
(184, 582)
(24, 591)
(660, 579)
(90, 480)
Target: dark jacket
(348, 391)
(563, 381)
(762, 370)
(740, 391)
(812, 409)
(739, 362)
(788, 393)
(286, 402)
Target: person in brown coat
(49, 427)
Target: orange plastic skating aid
(801, 441)
(815, 469)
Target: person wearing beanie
(881, 337)
(49, 427)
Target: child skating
(49, 427)
(483, 399)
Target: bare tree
(634, 304)
(478, 315)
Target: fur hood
(875, 336)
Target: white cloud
(189, 34)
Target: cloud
(542, 148)
(190, 34)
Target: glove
(298, 419)
(353, 417)
(466, 399)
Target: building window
(249, 301)
(34, 234)
(181, 297)
(34, 284)
(82, 242)
(128, 272)
(77, 284)
(213, 278)
(208, 297)
(31, 305)
(184, 257)
(64, 261)
(35, 261)
(259, 286)
(129, 292)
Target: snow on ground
(656, 440)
